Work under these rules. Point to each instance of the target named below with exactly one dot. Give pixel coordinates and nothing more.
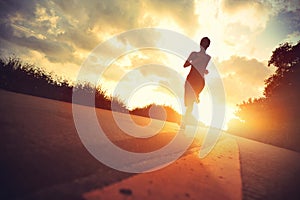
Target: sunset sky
(59, 35)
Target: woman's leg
(189, 99)
(199, 89)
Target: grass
(21, 77)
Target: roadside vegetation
(275, 117)
(17, 76)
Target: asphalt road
(40, 149)
(42, 157)
(268, 172)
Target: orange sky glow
(59, 35)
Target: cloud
(182, 12)
(24, 8)
(243, 78)
(293, 37)
(290, 19)
(62, 29)
(284, 5)
(253, 14)
(54, 51)
(232, 25)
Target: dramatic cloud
(243, 78)
(65, 31)
(253, 14)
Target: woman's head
(205, 42)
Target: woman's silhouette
(195, 82)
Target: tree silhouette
(29, 79)
(21, 77)
(285, 58)
(274, 118)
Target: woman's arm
(189, 59)
(187, 63)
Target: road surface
(42, 157)
(268, 172)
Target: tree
(274, 118)
(285, 58)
